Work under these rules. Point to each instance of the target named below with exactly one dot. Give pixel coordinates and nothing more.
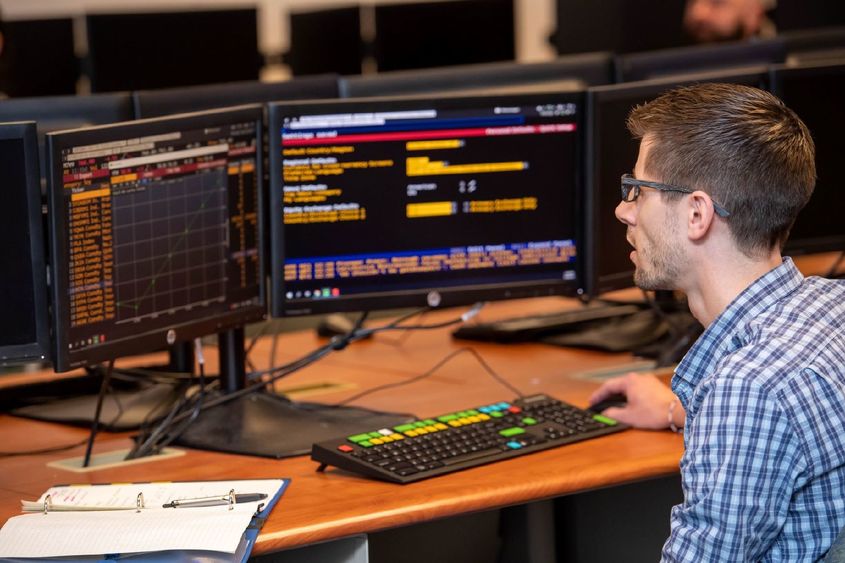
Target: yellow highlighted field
(431, 209)
(423, 166)
(105, 192)
(434, 145)
(124, 178)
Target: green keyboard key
(528, 421)
(400, 428)
(447, 417)
(604, 420)
(510, 432)
(358, 438)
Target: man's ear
(700, 215)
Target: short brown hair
(739, 144)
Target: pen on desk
(213, 501)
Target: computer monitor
(430, 201)
(443, 33)
(620, 26)
(139, 51)
(611, 152)
(23, 287)
(169, 101)
(586, 69)
(155, 233)
(325, 41)
(804, 14)
(699, 58)
(38, 58)
(56, 113)
(815, 93)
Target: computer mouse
(615, 400)
(335, 325)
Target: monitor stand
(267, 424)
(129, 404)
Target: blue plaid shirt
(764, 390)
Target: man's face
(655, 232)
(722, 20)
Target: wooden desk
(334, 504)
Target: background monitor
(816, 93)
(325, 41)
(699, 58)
(38, 58)
(611, 152)
(804, 14)
(620, 26)
(432, 201)
(445, 33)
(155, 233)
(55, 113)
(169, 101)
(23, 286)
(586, 69)
(138, 51)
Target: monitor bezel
(446, 296)
(596, 285)
(152, 339)
(814, 245)
(40, 348)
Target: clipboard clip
(139, 502)
(48, 503)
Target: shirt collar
(720, 338)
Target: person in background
(722, 173)
(709, 21)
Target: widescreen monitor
(805, 14)
(23, 286)
(156, 233)
(324, 41)
(620, 26)
(700, 58)
(443, 33)
(139, 51)
(424, 202)
(38, 58)
(611, 152)
(169, 101)
(816, 93)
(587, 69)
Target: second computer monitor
(414, 202)
(156, 233)
(611, 152)
(815, 93)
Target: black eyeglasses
(631, 191)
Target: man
(708, 21)
(722, 172)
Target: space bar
(473, 455)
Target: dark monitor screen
(139, 51)
(325, 41)
(169, 101)
(30, 48)
(805, 14)
(587, 69)
(451, 32)
(611, 152)
(699, 58)
(620, 26)
(23, 285)
(413, 202)
(816, 94)
(155, 232)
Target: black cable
(45, 450)
(96, 422)
(431, 371)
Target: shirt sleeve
(739, 468)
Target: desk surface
(323, 506)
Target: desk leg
(528, 533)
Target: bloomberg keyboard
(460, 440)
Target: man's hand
(648, 401)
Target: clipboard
(119, 528)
